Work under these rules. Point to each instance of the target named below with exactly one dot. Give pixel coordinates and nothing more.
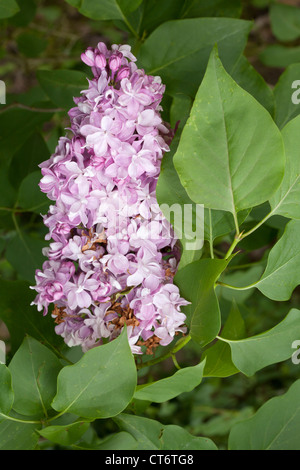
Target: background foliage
(259, 48)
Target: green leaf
(62, 85)
(146, 431)
(67, 434)
(239, 278)
(184, 380)
(252, 354)
(152, 435)
(275, 426)
(250, 80)
(218, 357)
(285, 201)
(226, 8)
(24, 252)
(26, 13)
(6, 391)
(285, 94)
(178, 50)
(233, 172)
(30, 196)
(26, 160)
(278, 55)
(34, 369)
(7, 192)
(282, 273)
(8, 8)
(118, 441)
(176, 438)
(21, 318)
(17, 125)
(18, 436)
(219, 223)
(99, 385)
(196, 282)
(180, 110)
(285, 21)
(153, 13)
(105, 9)
(173, 199)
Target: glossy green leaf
(232, 172)
(65, 435)
(275, 426)
(6, 391)
(184, 380)
(178, 46)
(196, 282)
(282, 273)
(62, 85)
(252, 354)
(285, 201)
(285, 21)
(100, 384)
(8, 8)
(34, 369)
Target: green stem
(244, 235)
(237, 228)
(10, 418)
(175, 362)
(219, 283)
(179, 345)
(232, 247)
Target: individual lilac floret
(112, 254)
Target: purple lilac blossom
(112, 255)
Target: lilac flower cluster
(112, 255)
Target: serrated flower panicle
(112, 255)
